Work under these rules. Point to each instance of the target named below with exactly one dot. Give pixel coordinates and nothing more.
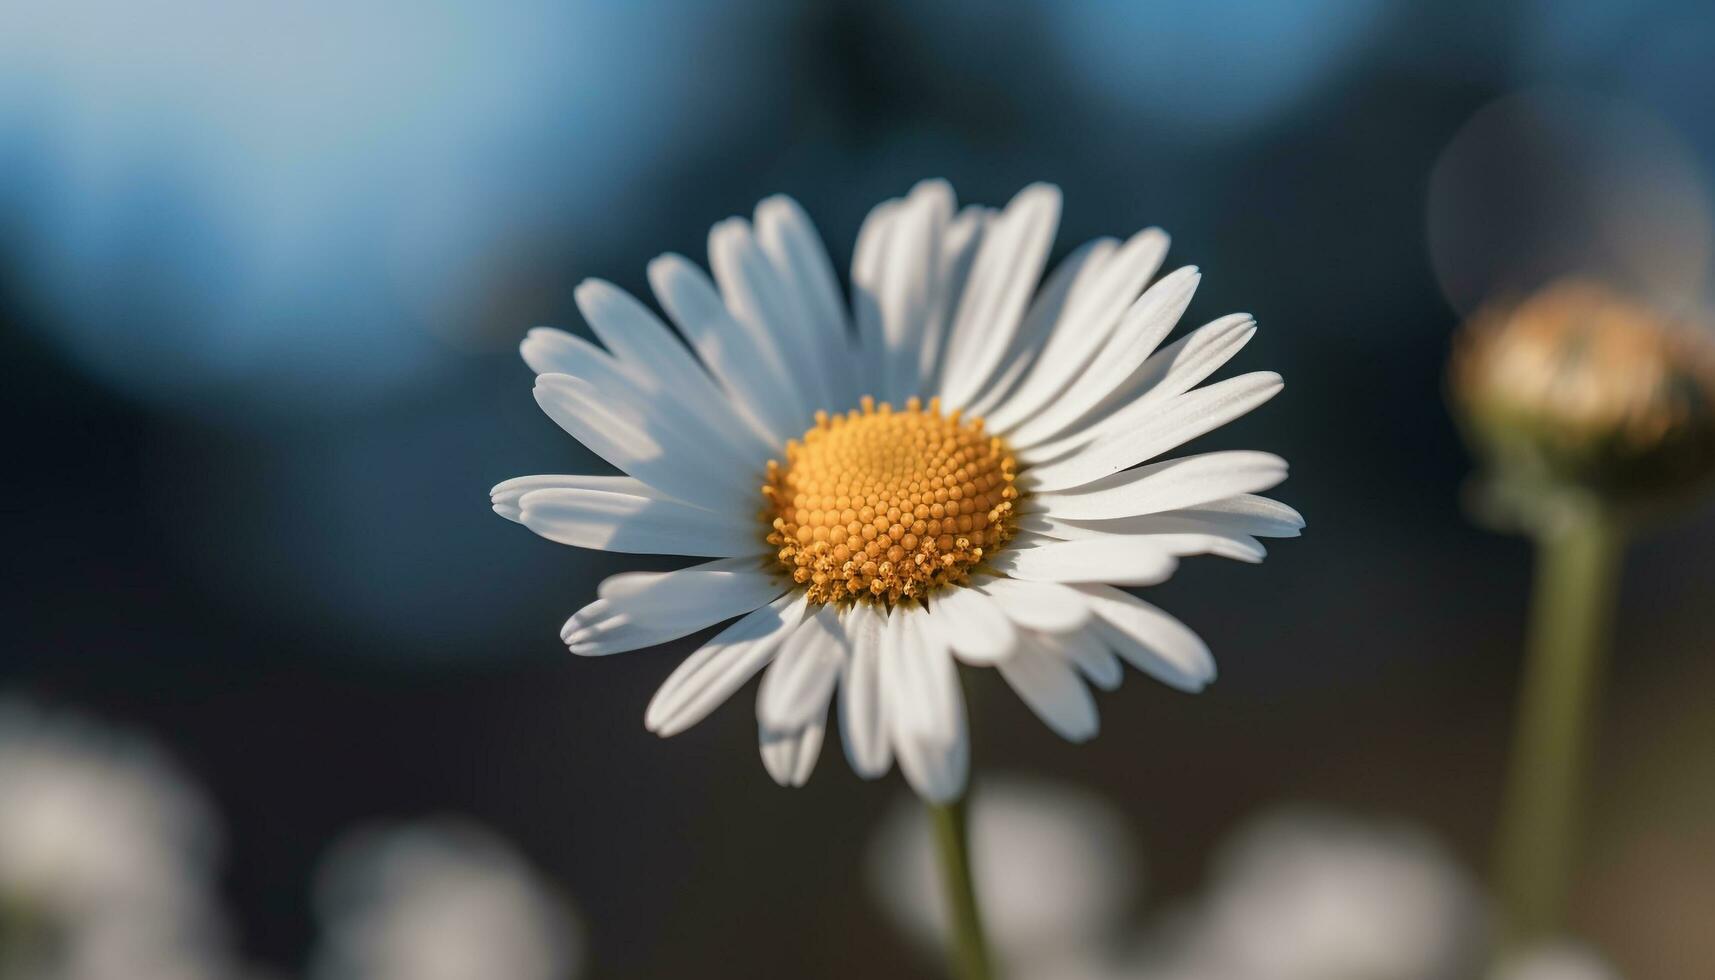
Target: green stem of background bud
(969, 950)
(1577, 576)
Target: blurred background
(264, 268)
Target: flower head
(105, 855)
(440, 900)
(950, 471)
(1056, 871)
(1578, 386)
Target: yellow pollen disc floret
(882, 505)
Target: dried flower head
(1584, 388)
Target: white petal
(756, 298)
(1110, 558)
(863, 724)
(868, 258)
(642, 609)
(712, 441)
(1144, 325)
(919, 671)
(925, 710)
(642, 443)
(939, 773)
(1050, 686)
(1239, 547)
(1164, 532)
(1086, 651)
(1075, 274)
(1150, 640)
(802, 678)
(504, 496)
(610, 521)
(1091, 318)
(1200, 353)
(647, 348)
(973, 625)
(1046, 606)
(709, 676)
(959, 244)
(1168, 373)
(1166, 486)
(1246, 514)
(1006, 270)
(746, 362)
(790, 756)
(907, 277)
(796, 249)
(1176, 422)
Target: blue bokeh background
(263, 269)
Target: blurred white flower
(1056, 873)
(105, 856)
(1303, 895)
(443, 900)
(1557, 961)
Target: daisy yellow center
(884, 505)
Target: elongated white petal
(610, 521)
(925, 711)
(1073, 276)
(973, 625)
(709, 676)
(1165, 486)
(868, 259)
(504, 497)
(1168, 373)
(648, 350)
(1006, 270)
(790, 756)
(1144, 325)
(1149, 639)
(802, 678)
(959, 244)
(863, 724)
(1050, 686)
(640, 443)
(1046, 606)
(696, 440)
(906, 282)
(919, 669)
(750, 368)
(1092, 313)
(1086, 651)
(801, 259)
(1178, 421)
(1127, 561)
(756, 298)
(642, 609)
(1247, 514)
(1170, 533)
(1184, 364)
(1239, 547)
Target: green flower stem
(970, 954)
(1571, 617)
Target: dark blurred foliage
(292, 578)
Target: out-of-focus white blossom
(1055, 868)
(1304, 895)
(1557, 961)
(442, 900)
(105, 856)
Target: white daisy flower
(949, 472)
(440, 899)
(1056, 872)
